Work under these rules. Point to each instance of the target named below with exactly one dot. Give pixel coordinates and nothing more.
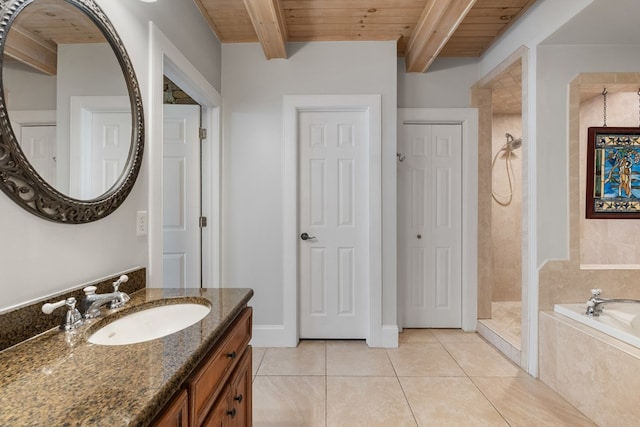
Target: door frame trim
(468, 118)
(292, 106)
(166, 58)
(80, 109)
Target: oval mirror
(71, 122)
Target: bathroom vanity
(218, 392)
(200, 375)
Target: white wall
(39, 257)
(541, 20)
(252, 90)
(446, 84)
(90, 69)
(557, 67)
(180, 21)
(28, 89)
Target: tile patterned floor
(434, 378)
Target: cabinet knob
(232, 412)
(232, 355)
(238, 398)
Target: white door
(111, 141)
(430, 225)
(181, 197)
(39, 145)
(333, 211)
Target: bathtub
(619, 320)
(593, 363)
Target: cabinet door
(176, 413)
(241, 395)
(220, 415)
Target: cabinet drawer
(206, 383)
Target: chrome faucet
(93, 302)
(595, 303)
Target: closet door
(430, 225)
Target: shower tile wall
(507, 220)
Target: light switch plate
(141, 223)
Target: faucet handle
(596, 292)
(49, 307)
(122, 279)
(90, 290)
(74, 319)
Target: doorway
(370, 107)
(106, 122)
(167, 60)
(503, 279)
(430, 224)
(334, 223)
(181, 196)
(467, 121)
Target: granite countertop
(60, 379)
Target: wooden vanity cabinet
(219, 390)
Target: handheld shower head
(512, 143)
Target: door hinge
(202, 133)
(202, 221)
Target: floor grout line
(488, 400)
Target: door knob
(305, 236)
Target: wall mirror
(71, 119)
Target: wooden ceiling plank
(349, 27)
(322, 20)
(465, 26)
(351, 4)
(496, 12)
(208, 16)
(338, 37)
(439, 21)
(269, 24)
(31, 50)
(411, 13)
(395, 21)
(501, 3)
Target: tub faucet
(93, 302)
(595, 303)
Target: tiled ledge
(28, 321)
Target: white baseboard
(277, 336)
(390, 336)
(271, 336)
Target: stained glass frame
(613, 173)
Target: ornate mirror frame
(20, 181)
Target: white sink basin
(149, 324)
